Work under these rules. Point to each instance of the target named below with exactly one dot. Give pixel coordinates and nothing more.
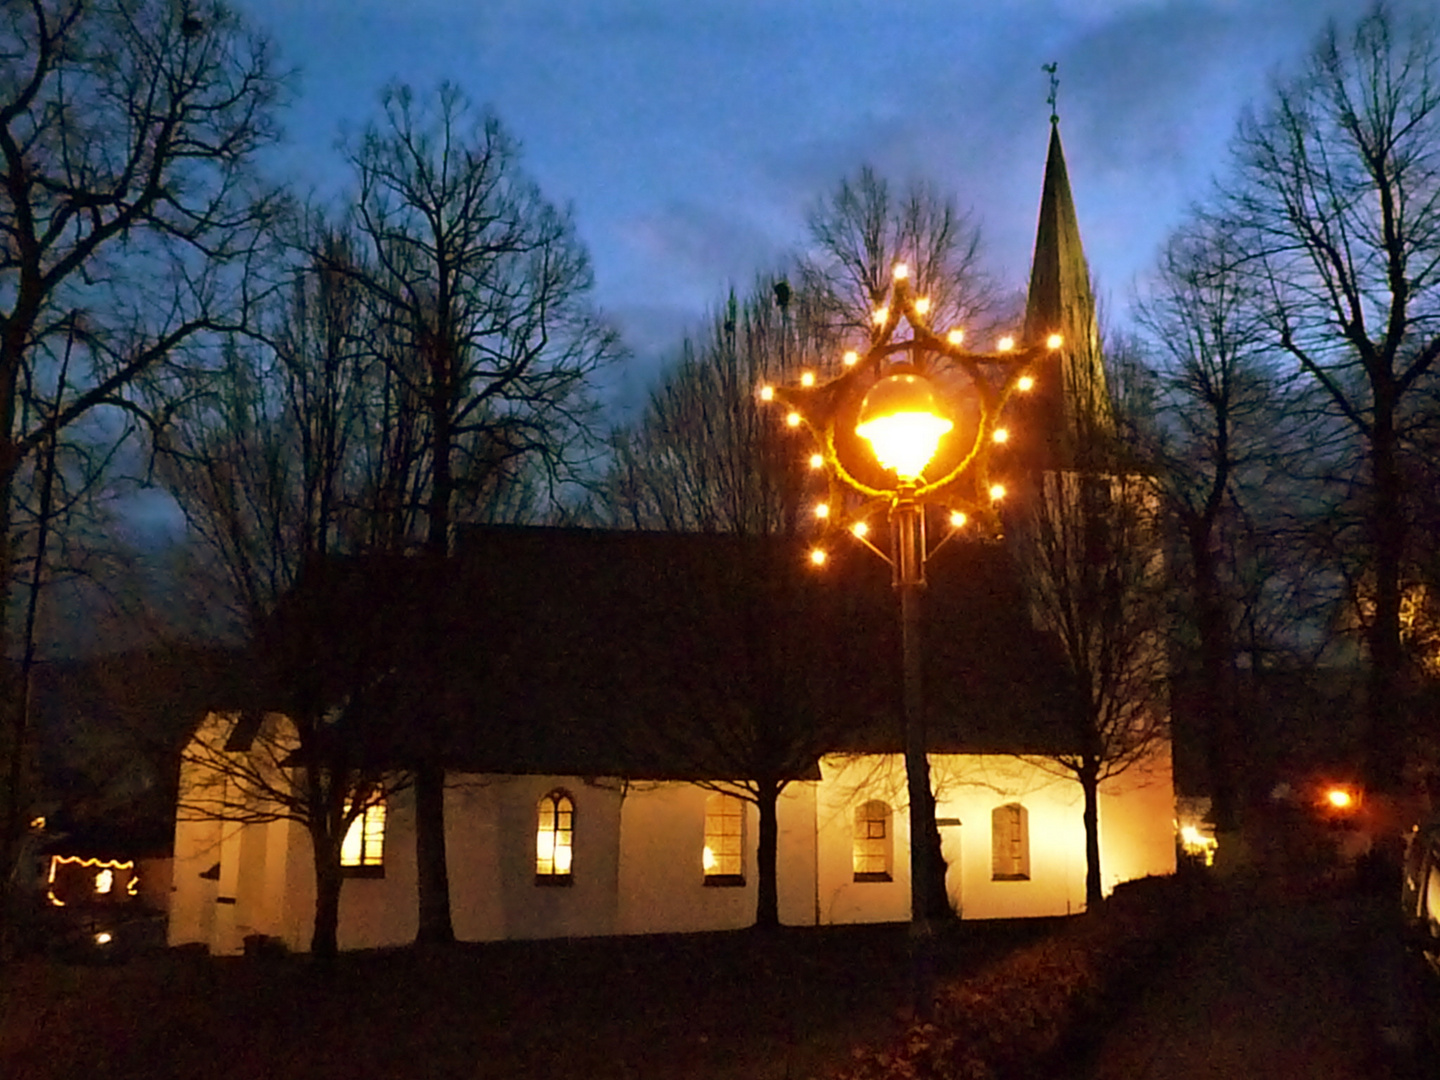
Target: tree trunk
(431, 868)
(1215, 690)
(324, 938)
(1090, 784)
(767, 900)
(1384, 746)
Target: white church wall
(971, 788)
(1137, 835)
(585, 907)
(662, 883)
(638, 857)
(1137, 821)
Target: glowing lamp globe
(903, 424)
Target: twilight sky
(691, 136)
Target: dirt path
(1300, 990)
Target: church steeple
(1069, 402)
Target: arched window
(1010, 843)
(362, 852)
(554, 839)
(724, 855)
(873, 843)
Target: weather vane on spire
(1050, 69)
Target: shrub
(1016, 1015)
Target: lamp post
(896, 408)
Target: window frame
(557, 802)
(887, 841)
(1010, 826)
(721, 801)
(367, 866)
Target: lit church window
(554, 839)
(873, 842)
(362, 851)
(724, 855)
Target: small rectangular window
(873, 846)
(1010, 843)
(724, 856)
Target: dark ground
(1304, 987)
(712, 1006)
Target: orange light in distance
(793, 419)
(1339, 798)
(817, 460)
(818, 556)
(1054, 341)
(956, 336)
(767, 393)
(860, 529)
(1005, 344)
(958, 519)
(1025, 383)
(902, 271)
(807, 378)
(881, 314)
(1001, 435)
(851, 358)
(997, 492)
(922, 306)
(822, 510)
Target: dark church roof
(684, 655)
(1070, 382)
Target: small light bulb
(958, 519)
(818, 556)
(997, 492)
(1001, 435)
(956, 336)
(902, 271)
(807, 378)
(817, 460)
(793, 419)
(767, 393)
(103, 938)
(851, 358)
(922, 305)
(822, 510)
(1054, 341)
(1006, 343)
(1024, 383)
(881, 314)
(860, 529)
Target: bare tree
(270, 463)
(863, 228)
(1334, 198)
(706, 455)
(1090, 551)
(128, 130)
(483, 288)
(1212, 434)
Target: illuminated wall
(638, 857)
(1136, 834)
(661, 885)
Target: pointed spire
(1069, 399)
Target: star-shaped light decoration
(929, 407)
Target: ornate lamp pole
(930, 419)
